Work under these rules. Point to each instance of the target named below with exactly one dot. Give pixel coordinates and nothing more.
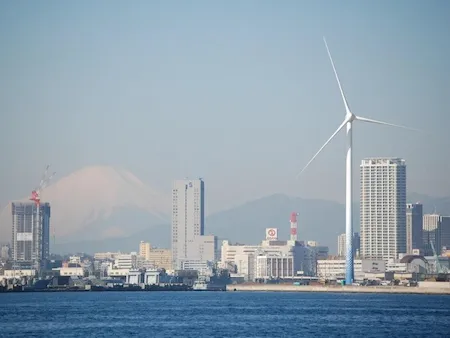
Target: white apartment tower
(190, 248)
(383, 208)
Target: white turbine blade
(326, 143)
(347, 109)
(364, 119)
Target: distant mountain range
(106, 209)
(318, 220)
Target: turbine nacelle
(350, 117)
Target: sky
(240, 93)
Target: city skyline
(306, 232)
(383, 181)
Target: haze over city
(290, 155)
(241, 94)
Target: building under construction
(30, 244)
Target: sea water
(222, 314)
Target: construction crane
(35, 194)
(36, 198)
(439, 268)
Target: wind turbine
(348, 121)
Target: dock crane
(439, 268)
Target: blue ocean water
(222, 314)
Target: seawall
(434, 289)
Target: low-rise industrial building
(407, 267)
(17, 273)
(70, 271)
(334, 269)
(272, 259)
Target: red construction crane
(35, 194)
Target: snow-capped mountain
(98, 202)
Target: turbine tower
(348, 121)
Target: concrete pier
(427, 288)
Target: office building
(30, 246)
(356, 244)
(155, 257)
(320, 251)
(160, 258)
(414, 227)
(127, 261)
(334, 269)
(431, 234)
(106, 256)
(144, 250)
(342, 245)
(445, 233)
(383, 208)
(436, 231)
(271, 259)
(191, 249)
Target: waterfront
(222, 314)
(430, 288)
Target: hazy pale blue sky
(238, 92)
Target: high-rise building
(431, 233)
(436, 230)
(414, 227)
(30, 246)
(356, 244)
(190, 247)
(342, 245)
(383, 208)
(445, 232)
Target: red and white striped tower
(294, 226)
